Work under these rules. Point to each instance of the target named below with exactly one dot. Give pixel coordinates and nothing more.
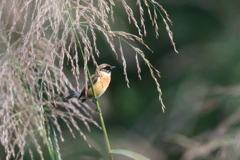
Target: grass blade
(130, 154)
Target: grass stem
(107, 143)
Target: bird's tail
(75, 94)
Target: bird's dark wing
(75, 94)
(70, 96)
(94, 78)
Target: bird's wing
(94, 78)
(75, 94)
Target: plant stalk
(101, 118)
(107, 143)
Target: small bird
(101, 80)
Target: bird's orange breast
(100, 86)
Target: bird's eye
(107, 67)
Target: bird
(100, 79)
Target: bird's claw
(98, 111)
(95, 100)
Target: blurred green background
(200, 88)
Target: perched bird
(101, 80)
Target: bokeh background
(200, 85)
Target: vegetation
(38, 39)
(200, 85)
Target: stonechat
(101, 80)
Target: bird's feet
(98, 111)
(94, 100)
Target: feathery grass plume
(36, 36)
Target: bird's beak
(113, 67)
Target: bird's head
(106, 68)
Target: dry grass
(35, 38)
